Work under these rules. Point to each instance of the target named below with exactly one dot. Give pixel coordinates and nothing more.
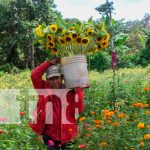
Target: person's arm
(38, 72)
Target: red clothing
(64, 125)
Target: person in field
(54, 118)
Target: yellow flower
(78, 40)
(39, 31)
(85, 41)
(104, 43)
(50, 44)
(53, 27)
(140, 125)
(132, 148)
(68, 39)
(54, 51)
(49, 37)
(74, 35)
(61, 41)
(98, 47)
(103, 27)
(107, 36)
(89, 32)
(71, 28)
(82, 119)
(98, 39)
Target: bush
(99, 61)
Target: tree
(18, 18)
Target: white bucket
(75, 71)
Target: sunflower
(50, 44)
(78, 40)
(74, 35)
(53, 27)
(62, 41)
(90, 32)
(72, 28)
(85, 41)
(104, 44)
(107, 36)
(98, 47)
(68, 39)
(49, 37)
(54, 51)
(98, 39)
(39, 31)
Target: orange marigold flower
(22, 113)
(108, 121)
(97, 126)
(146, 88)
(110, 114)
(93, 113)
(141, 144)
(115, 124)
(145, 106)
(139, 105)
(82, 119)
(147, 136)
(97, 121)
(88, 128)
(121, 115)
(105, 111)
(140, 125)
(103, 144)
(115, 112)
(88, 135)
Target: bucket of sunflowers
(72, 42)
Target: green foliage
(99, 61)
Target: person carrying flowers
(54, 119)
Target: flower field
(116, 116)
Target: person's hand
(55, 60)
